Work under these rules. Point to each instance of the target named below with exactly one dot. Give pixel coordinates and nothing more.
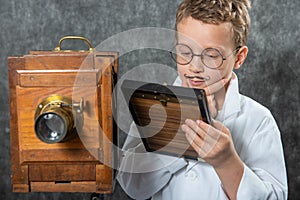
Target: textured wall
(270, 74)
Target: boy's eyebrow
(220, 48)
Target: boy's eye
(185, 54)
(212, 56)
(212, 53)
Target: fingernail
(183, 127)
(187, 121)
(198, 122)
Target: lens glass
(50, 127)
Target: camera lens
(50, 128)
(55, 119)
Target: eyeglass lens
(183, 54)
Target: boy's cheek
(217, 75)
(181, 72)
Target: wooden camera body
(62, 84)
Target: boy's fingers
(208, 129)
(184, 83)
(212, 106)
(193, 126)
(221, 127)
(199, 136)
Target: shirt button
(192, 175)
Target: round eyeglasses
(210, 57)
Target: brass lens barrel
(54, 122)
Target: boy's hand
(210, 90)
(212, 143)
(212, 105)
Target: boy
(241, 149)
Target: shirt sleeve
(264, 166)
(142, 174)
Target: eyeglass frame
(201, 55)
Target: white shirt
(257, 141)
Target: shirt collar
(177, 81)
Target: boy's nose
(196, 65)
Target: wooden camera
(61, 125)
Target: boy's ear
(241, 57)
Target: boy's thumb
(220, 126)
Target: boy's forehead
(195, 32)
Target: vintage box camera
(61, 125)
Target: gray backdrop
(270, 74)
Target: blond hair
(219, 11)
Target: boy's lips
(196, 80)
